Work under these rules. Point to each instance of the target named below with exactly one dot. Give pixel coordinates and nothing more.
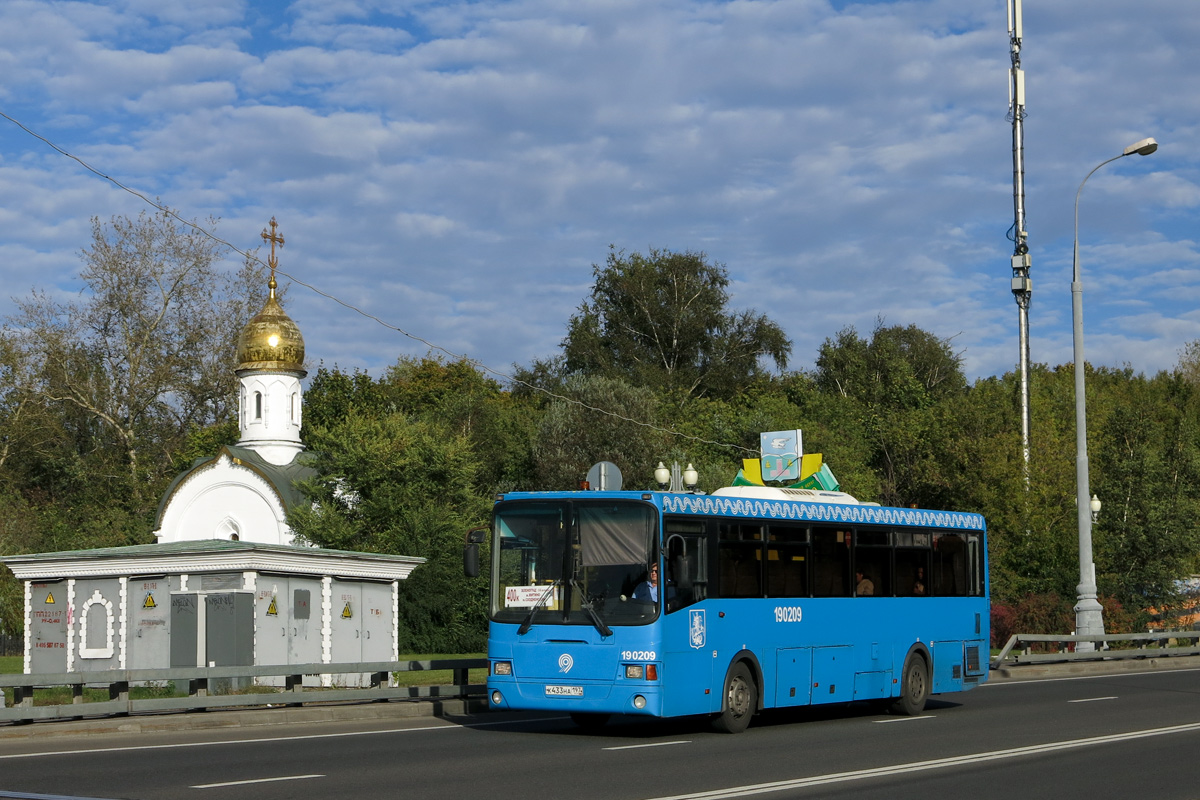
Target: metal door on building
(273, 619)
(304, 631)
(149, 645)
(361, 626)
(48, 627)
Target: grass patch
(437, 677)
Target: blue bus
(768, 598)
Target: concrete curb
(1073, 669)
(242, 718)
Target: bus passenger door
(687, 622)
(688, 667)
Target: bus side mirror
(475, 537)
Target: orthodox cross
(273, 260)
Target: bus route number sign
(529, 596)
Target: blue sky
(456, 168)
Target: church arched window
(258, 405)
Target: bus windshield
(569, 562)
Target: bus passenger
(919, 582)
(864, 587)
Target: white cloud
(456, 168)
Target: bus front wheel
(914, 687)
(740, 700)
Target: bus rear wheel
(589, 722)
(914, 687)
(740, 700)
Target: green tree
(390, 485)
(661, 321)
(456, 395)
(893, 390)
(898, 368)
(1148, 463)
(147, 351)
(598, 419)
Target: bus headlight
(639, 672)
(502, 668)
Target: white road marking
(922, 766)
(1093, 699)
(903, 719)
(649, 744)
(134, 748)
(1102, 676)
(256, 780)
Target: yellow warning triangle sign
(50, 598)
(272, 611)
(346, 614)
(149, 602)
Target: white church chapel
(225, 584)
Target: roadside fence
(229, 687)
(1158, 644)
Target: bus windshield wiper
(590, 610)
(524, 629)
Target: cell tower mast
(1022, 287)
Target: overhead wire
(512, 379)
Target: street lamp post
(1089, 619)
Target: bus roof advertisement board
(780, 451)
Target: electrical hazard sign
(149, 601)
(346, 612)
(272, 610)
(49, 598)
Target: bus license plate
(564, 691)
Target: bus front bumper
(576, 698)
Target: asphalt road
(1126, 735)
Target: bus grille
(973, 659)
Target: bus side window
(686, 563)
(912, 572)
(873, 555)
(975, 565)
(787, 561)
(949, 565)
(831, 562)
(739, 556)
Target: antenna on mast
(1022, 286)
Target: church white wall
(223, 501)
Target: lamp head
(690, 477)
(662, 475)
(1143, 148)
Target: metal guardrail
(1147, 645)
(206, 687)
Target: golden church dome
(271, 340)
